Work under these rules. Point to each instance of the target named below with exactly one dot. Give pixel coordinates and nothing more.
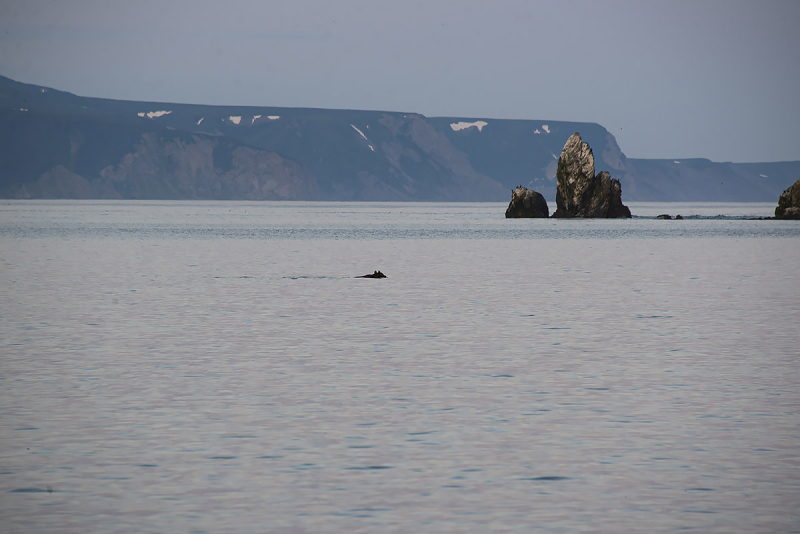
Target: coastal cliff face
(182, 168)
(581, 193)
(58, 145)
(64, 146)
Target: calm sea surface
(216, 367)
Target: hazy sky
(670, 79)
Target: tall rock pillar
(581, 193)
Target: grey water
(217, 367)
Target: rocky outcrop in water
(527, 204)
(789, 203)
(581, 193)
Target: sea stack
(527, 204)
(581, 193)
(789, 203)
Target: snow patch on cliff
(235, 119)
(364, 136)
(360, 133)
(153, 114)
(201, 120)
(273, 117)
(457, 126)
(254, 118)
(546, 128)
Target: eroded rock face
(527, 204)
(789, 203)
(581, 193)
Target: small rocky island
(527, 204)
(581, 193)
(789, 203)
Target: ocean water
(217, 367)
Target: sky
(718, 79)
